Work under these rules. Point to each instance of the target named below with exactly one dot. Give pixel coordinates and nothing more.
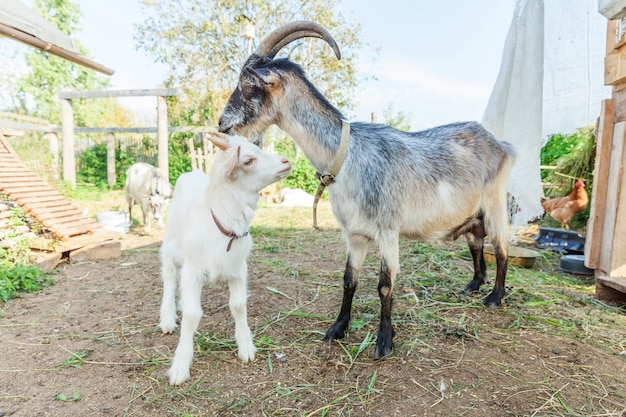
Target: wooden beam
(610, 289)
(69, 159)
(10, 124)
(613, 185)
(110, 159)
(53, 146)
(56, 129)
(162, 137)
(34, 41)
(604, 138)
(25, 118)
(617, 267)
(159, 92)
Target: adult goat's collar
(232, 235)
(329, 178)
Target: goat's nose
(222, 127)
(285, 161)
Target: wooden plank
(604, 137)
(62, 215)
(42, 191)
(617, 267)
(111, 249)
(75, 223)
(5, 143)
(613, 185)
(79, 241)
(41, 200)
(17, 116)
(614, 67)
(65, 209)
(27, 182)
(47, 261)
(26, 187)
(15, 168)
(54, 204)
(610, 289)
(24, 173)
(34, 187)
(73, 229)
(620, 102)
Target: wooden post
(111, 159)
(208, 153)
(53, 145)
(69, 159)
(162, 136)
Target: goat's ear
(232, 163)
(221, 140)
(262, 76)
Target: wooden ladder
(41, 201)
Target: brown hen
(563, 209)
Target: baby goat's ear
(232, 163)
(221, 140)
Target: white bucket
(114, 221)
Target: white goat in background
(206, 239)
(145, 185)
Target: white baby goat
(206, 239)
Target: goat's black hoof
(493, 300)
(384, 348)
(472, 287)
(337, 331)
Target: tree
(399, 120)
(204, 45)
(38, 89)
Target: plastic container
(114, 221)
(574, 264)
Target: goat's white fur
(194, 251)
(145, 185)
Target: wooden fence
(201, 156)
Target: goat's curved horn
(290, 32)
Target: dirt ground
(90, 346)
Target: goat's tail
(496, 203)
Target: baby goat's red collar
(227, 233)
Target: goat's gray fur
(430, 185)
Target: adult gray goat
(430, 185)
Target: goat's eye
(248, 161)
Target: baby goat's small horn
(221, 140)
(290, 32)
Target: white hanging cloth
(514, 110)
(550, 81)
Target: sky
(438, 60)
